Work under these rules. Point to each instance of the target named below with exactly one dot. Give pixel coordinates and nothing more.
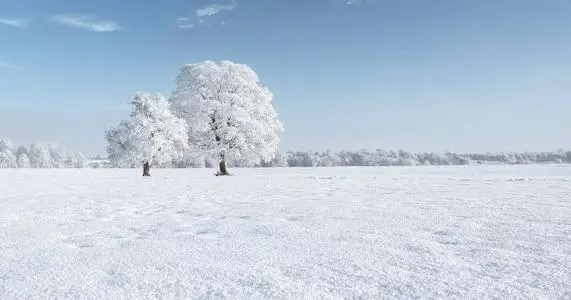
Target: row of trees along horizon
(51, 155)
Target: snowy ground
(475, 232)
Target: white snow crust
(462, 232)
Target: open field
(464, 232)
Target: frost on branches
(152, 134)
(231, 114)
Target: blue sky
(439, 75)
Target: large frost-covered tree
(230, 112)
(152, 134)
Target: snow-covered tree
(279, 161)
(23, 157)
(7, 157)
(23, 161)
(118, 147)
(40, 156)
(6, 145)
(152, 134)
(229, 112)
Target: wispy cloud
(184, 23)
(185, 26)
(7, 65)
(203, 13)
(213, 9)
(86, 22)
(19, 23)
(358, 2)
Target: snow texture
(476, 232)
(228, 111)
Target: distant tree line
(379, 157)
(40, 155)
(50, 155)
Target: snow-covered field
(465, 232)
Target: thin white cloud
(86, 22)
(204, 12)
(18, 23)
(185, 26)
(7, 65)
(184, 23)
(358, 2)
(212, 9)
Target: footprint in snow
(117, 279)
(446, 238)
(201, 232)
(145, 232)
(325, 177)
(79, 242)
(449, 242)
(115, 236)
(290, 219)
(442, 233)
(182, 229)
(206, 233)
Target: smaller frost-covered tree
(230, 113)
(152, 134)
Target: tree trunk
(146, 169)
(223, 171)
